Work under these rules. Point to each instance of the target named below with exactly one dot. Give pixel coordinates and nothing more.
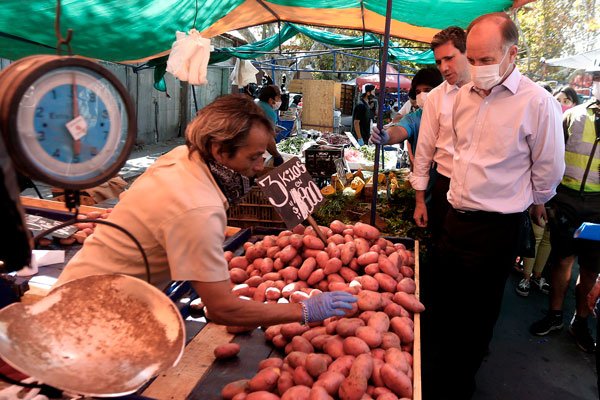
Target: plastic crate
(319, 160)
(253, 210)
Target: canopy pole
(382, 80)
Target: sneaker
(582, 336)
(523, 287)
(546, 325)
(541, 284)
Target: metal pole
(382, 77)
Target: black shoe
(546, 325)
(582, 336)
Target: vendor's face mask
(233, 184)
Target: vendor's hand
(538, 214)
(592, 297)
(420, 214)
(379, 137)
(328, 304)
(277, 160)
(360, 141)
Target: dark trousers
(476, 253)
(438, 206)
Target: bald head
(499, 22)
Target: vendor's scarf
(233, 184)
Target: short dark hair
(569, 92)
(508, 29)
(453, 34)
(269, 92)
(369, 88)
(226, 121)
(427, 76)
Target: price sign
(37, 224)
(291, 190)
(340, 168)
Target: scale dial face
(73, 125)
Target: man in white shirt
(435, 134)
(508, 156)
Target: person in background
(269, 100)
(177, 211)
(534, 266)
(577, 201)
(296, 106)
(508, 155)
(408, 128)
(567, 97)
(361, 117)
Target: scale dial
(69, 121)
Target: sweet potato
(272, 293)
(293, 329)
(404, 328)
(286, 381)
(316, 277)
(342, 365)
(386, 282)
(334, 347)
(307, 268)
(355, 346)
(292, 287)
(299, 229)
(407, 272)
(369, 300)
(289, 274)
(255, 251)
(409, 302)
(379, 321)
(241, 290)
(315, 365)
(387, 396)
(355, 385)
(368, 283)
(296, 359)
(335, 278)
(366, 231)
(279, 341)
(333, 251)
(298, 296)
(319, 341)
(372, 269)
(319, 393)
(376, 376)
(265, 379)
(313, 332)
(369, 335)
(337, 239)
(283, 241)
(388, 267)
(362, 246)
(298, 392)
(312, 242)
(254, 281)
(233, 388)
(348, 252)
(330, 381)
(275, 362)
(378, 353)
(302, 377)
(367, 258)
(395, 310)
(406, 285)
(238, 262)
(288, 253)
(322, 258)
(227, 350)
(301, 344)
(337, 226)
(261, 395)
(378, 391)
(397, 381)
(390, 339)
(347, 326)
(272, 251)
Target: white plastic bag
(189, 57)
(243, 73)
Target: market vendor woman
(177, 211)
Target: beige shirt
(177, 212)
(435, 136)
(508, 147)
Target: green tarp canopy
(139, 30)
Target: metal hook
(60, 39)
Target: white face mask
(596, 90)
(487, 76)
(421, 97)
(276, 105)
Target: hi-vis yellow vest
(582, 135)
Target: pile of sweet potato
(365, 355)
(84, 229)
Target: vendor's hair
(429, 76)
(453, 34)
(508, 29)
(269, 92)
(226, 121)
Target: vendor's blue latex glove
(361, 142)
(379, 137)
(328, 304)
(277, 161)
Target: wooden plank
(178, 382)
(337, 93)
(417, 390)
(55, 205)
(317, 104)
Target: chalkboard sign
(291, 190)
(37, 224)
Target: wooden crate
(347, 99)
(254, 210)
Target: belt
(482, 214)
